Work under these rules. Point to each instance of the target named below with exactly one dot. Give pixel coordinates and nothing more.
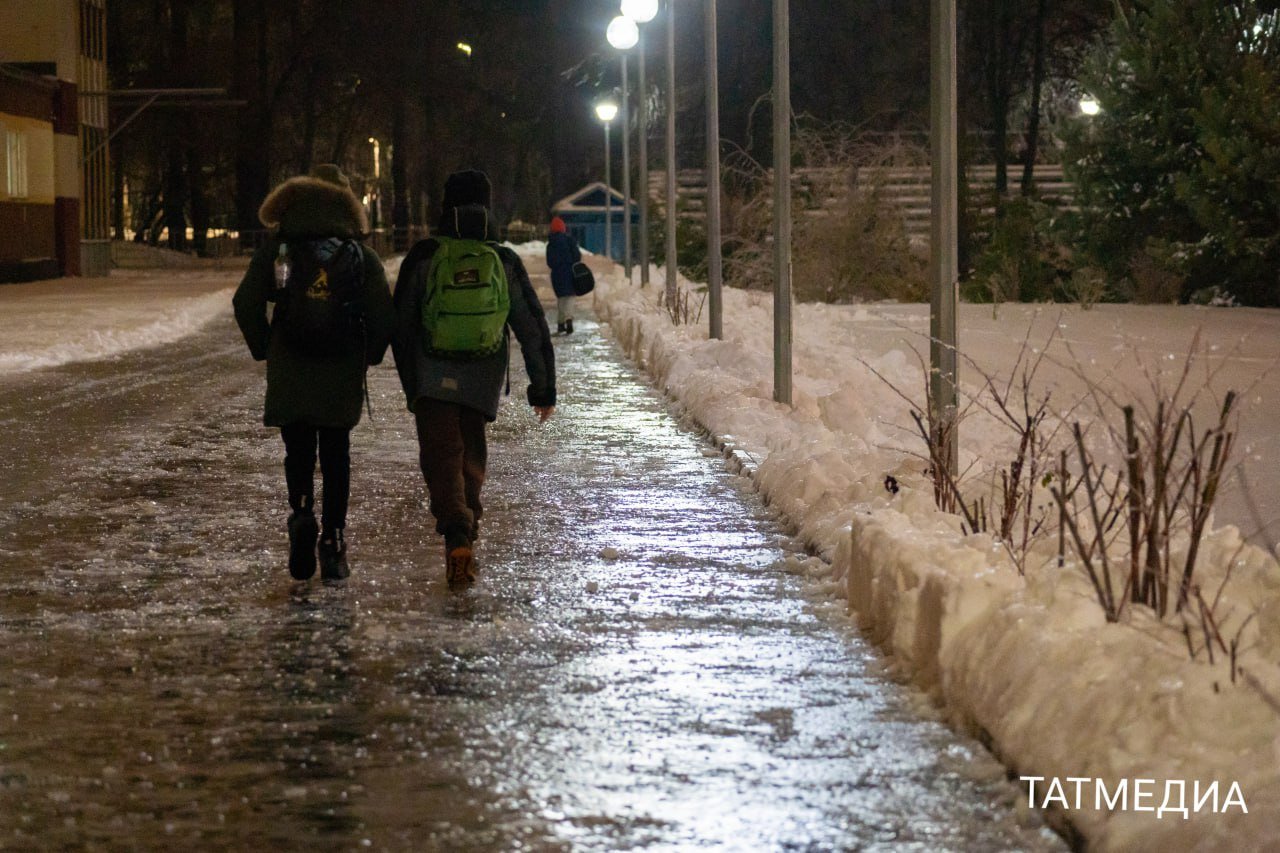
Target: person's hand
(544, 412)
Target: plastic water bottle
(282, 268)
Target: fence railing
(906, 188)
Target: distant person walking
(457, 295)
(562, 254)
(332, 318)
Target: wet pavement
(640, 666)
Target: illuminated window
(16, 161)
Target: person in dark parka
(454, 399)
(562, 254)
(314, 400)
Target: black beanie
(467, 187)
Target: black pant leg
(335, 466)
(299, 464)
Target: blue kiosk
(583, 213)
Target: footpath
(641, 665)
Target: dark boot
(568, 327)
(560, 329)
(333, 556)
(459, 558)
(303, 531)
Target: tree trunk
(307, 148)
(399, 171)
(253, 149)
(175, 192)
(1000, 147)
(199, 202)
(1001, 85)
(1032, 147)
(175, 180)
(117, 150)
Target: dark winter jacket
(475, 383)
(320, 391)
(562, 254)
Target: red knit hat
(557, 225)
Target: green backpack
(464, 308)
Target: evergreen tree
(1181, 169)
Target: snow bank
(1028, 664)
(53, 323)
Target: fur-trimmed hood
(307, 206)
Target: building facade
(55, 183)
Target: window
(16, 163)
(93, 29)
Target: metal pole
(673, 268)
(642, 119)
(943, 252)
(781, 203)
(626, 175)
(608, 199)
(714, 262)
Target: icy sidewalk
(637, 668)
(48, 323)
(1031, 664)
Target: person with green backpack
(457, 296)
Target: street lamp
(606, 111)
(782, 202)
(715, 266)
(623, 34)
(1089, 105)
(944, 267)
(642, 12)
(673, 267)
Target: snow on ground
(47, 323)
(1029, 663)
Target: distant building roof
(589, 199)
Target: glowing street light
(465, 48)
(640, 11)
(606, 111)
(1089, 105)
(623, 34)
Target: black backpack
(319, 312)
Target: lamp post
(642, 12)
(782, 202)
(623, 35)
(943, 251)
(673, 267)
(714, 263)
(605, 111)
